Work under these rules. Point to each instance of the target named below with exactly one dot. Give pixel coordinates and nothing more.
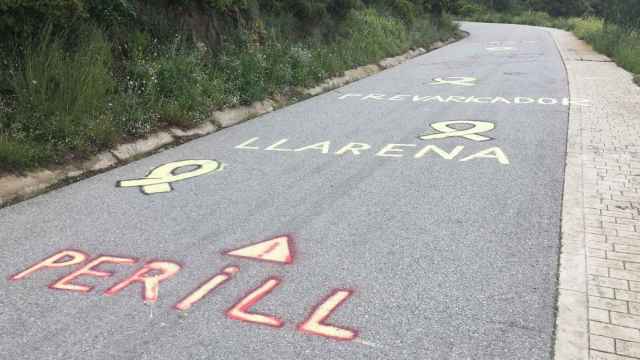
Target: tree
(565, 8)
(624, 13)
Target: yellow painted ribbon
(472, 133)
(159, 179)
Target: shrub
(470, 10)
(132, 114)
(184, 90)
(584, 28)
(535, 18)
(250, 73)
(22, 17)
(61, 96)
(244, 73)
(225, 5)
(406, 10)
(73, 90)
(623, 45)
(627, 51)
(371, 37)
(18, 154)
(316, 11)
(302, 66)
(426, 31)
(278, 73)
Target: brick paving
(599, 289)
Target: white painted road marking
(500, 48)
(455, 80)
(509, 100)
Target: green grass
(69, 96)
(17, 155)
(59, 102)
(620, 44)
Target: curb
(571, 323)
(14, 189)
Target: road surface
(412, 215)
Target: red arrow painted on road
(276, 250)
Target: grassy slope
(57, 104)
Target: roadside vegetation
(612, 27)
(78, 76)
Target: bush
(425, 31)
(133, 115)
(252, 73)
(587, 27)
(623, 13)
(316, 11)
(244, 73)
(371, 37)
(185, 92)
(627, 53)
(16, 155)
(470, 10)
(406, 10)
(23, 17)
(72, 93)
(535, 18)
(623, 45)
(61, 97)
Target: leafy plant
(61, 96)
(106, 70)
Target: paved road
(398, 251)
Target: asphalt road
(432, 258)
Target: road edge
(571, 332)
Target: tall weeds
(60, 100)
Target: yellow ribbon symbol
(159, 179)
(471, 133)
(455, 80)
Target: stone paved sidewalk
(599, 296)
